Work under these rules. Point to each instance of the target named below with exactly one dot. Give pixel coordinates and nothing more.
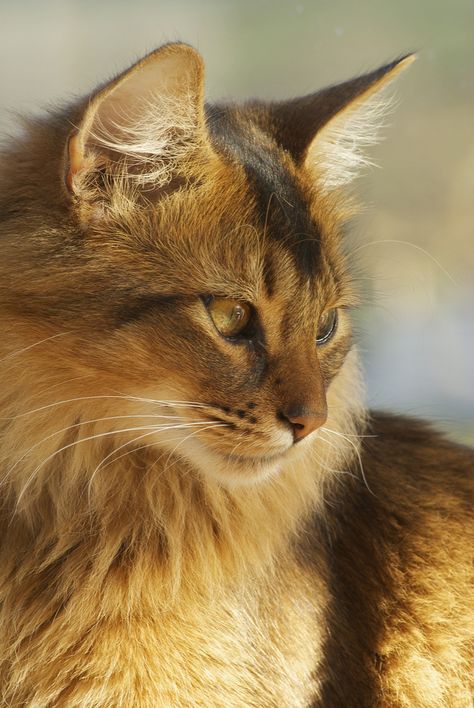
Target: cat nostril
(298, 430)
(304, 423)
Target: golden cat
(195, 507)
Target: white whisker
(152, 428)
(183, 404)
(326, 467)
(161, 429)
(31, 346)
(357, 451)
(413, 245)
(236, 446)
(129, 442)
(79, 424)
(214, 425)
(129, 452)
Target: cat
(196, 508)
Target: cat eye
(327, 326)
(230, 317)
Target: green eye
(327, 326)
(230, 317)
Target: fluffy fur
(163, 541)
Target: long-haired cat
(195, 507)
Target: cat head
(174, 272)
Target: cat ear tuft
(328, 131)
(141, 125)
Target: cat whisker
(31, 346)
(129, 452)
(357, 451)
(348, 435)
(129, 442)
(67, 381)
(81, 423)
(151, 428)
(193, 404)
(66, 447)
(101, 465)
(166, 467)
(170, 427)
(213, 425)
(413, 245)
(179, 404)
(232, 452)
(267, 214)
(332, 469)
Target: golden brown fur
(162, 541)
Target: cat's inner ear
(329, 131)
(141, 125)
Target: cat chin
(231, 470)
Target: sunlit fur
(340, 152)
(155, 514)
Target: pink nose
(304, 421)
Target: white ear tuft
(148, 140)
(337, 152)
(142, 124)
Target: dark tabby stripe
(282, 209)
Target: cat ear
(141, 125)
(328, 131)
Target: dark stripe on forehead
(269, 275)
(282, 209)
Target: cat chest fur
(233, 655)
(236, 648)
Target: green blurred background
(415, 238)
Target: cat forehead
(282, 210)
(241, 227)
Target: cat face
(190, 262)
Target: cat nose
(303, 421)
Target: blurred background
(415, 238)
